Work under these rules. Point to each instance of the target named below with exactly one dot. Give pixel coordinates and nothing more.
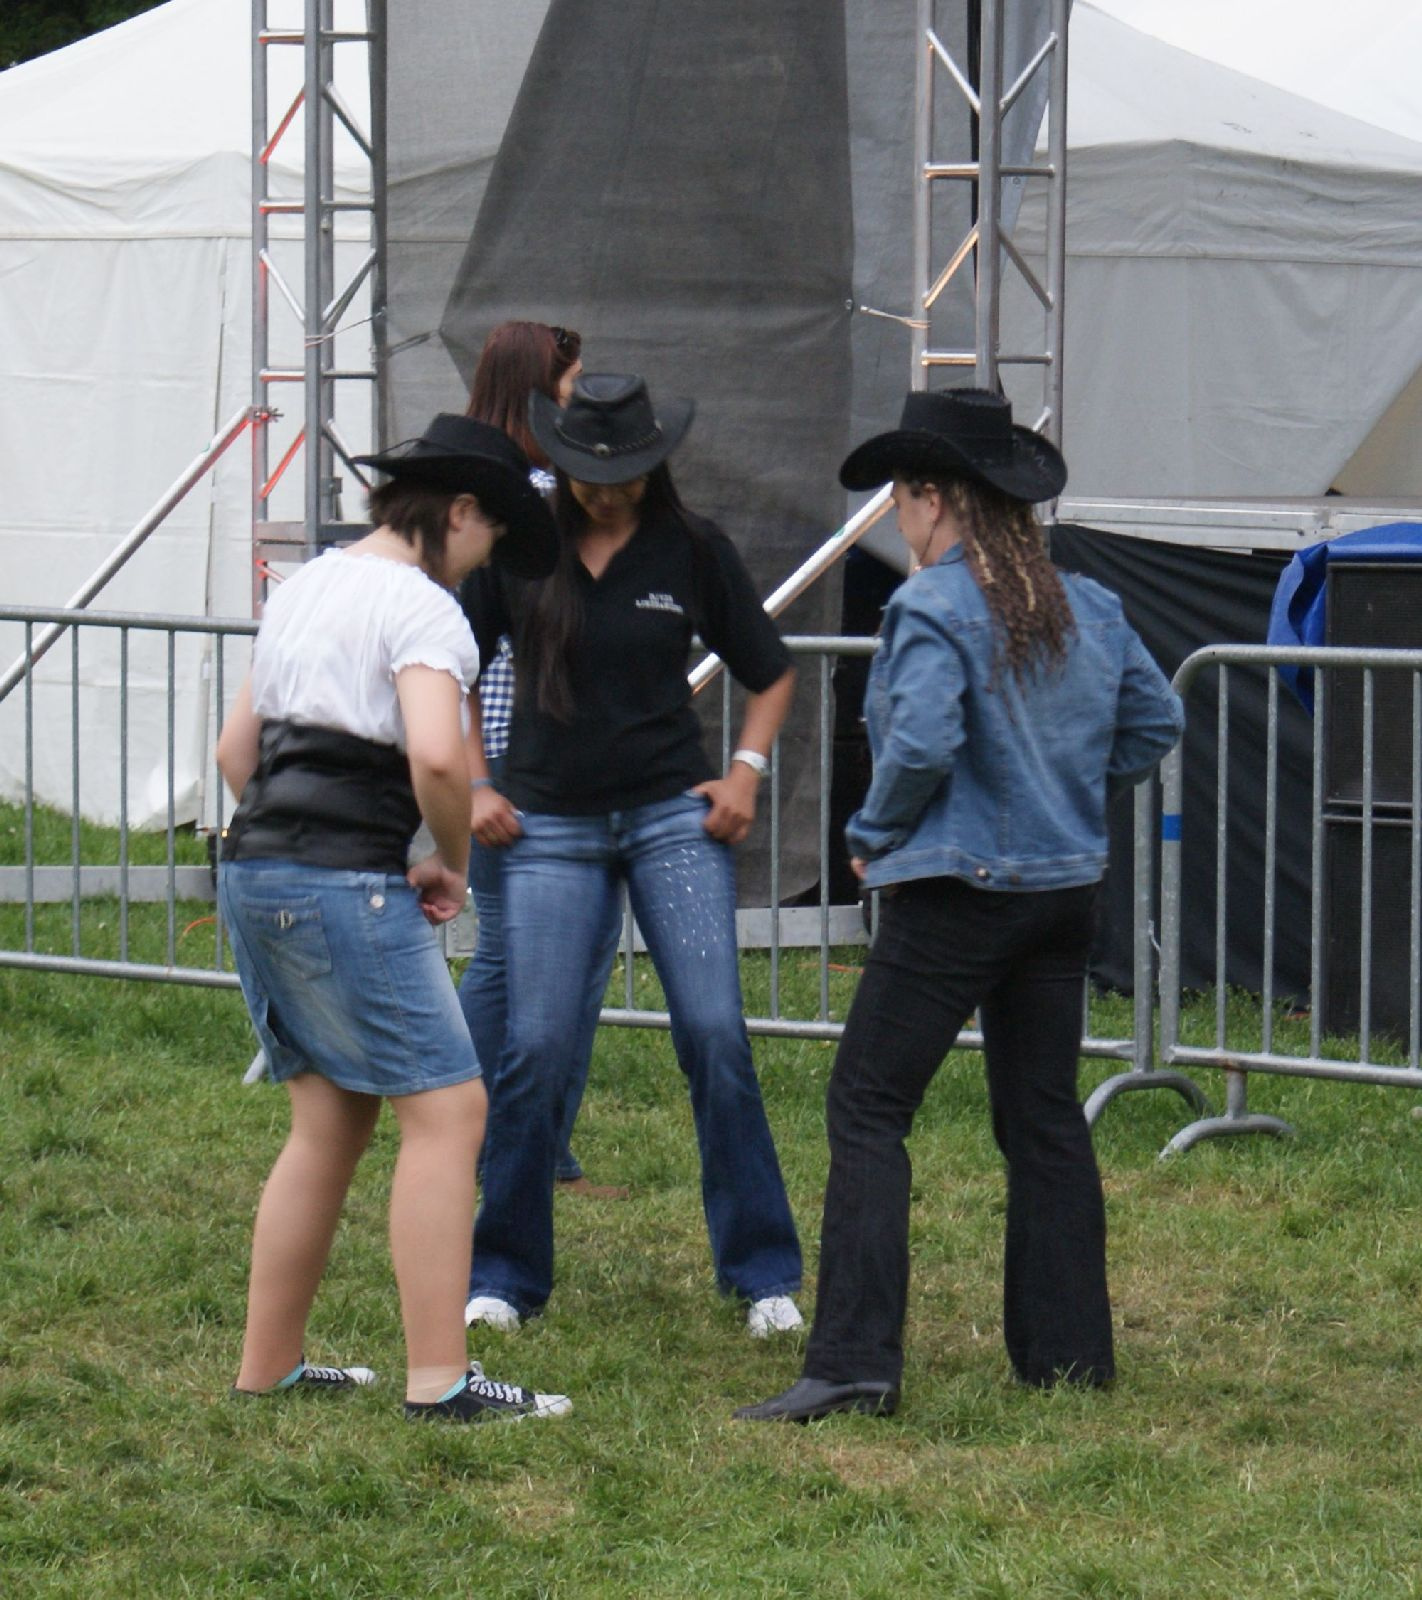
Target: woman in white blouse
(348, 733)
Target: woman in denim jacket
(1006, 703)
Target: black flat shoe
(816, 1397)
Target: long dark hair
(1006, 552)
(517, 358)
(554, 616)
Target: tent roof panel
(1128, 88)
(1360, 60)
(146, 128)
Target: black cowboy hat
(965, 433)
(608, 432)
(458, 455)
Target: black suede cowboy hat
(609, 432)
(458, 455)
(965, 433)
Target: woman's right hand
(442, 891)
(493, 821)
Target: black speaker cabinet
(1377, 604)
(1343, 924)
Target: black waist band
(327, 799)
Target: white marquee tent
(1243, 261)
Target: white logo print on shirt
(660, 602)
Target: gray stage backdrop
(708, 192)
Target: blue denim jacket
(1005, 786)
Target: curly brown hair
(1006, 552)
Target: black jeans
(943, 950)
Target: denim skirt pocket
(290, 931)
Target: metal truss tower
(299, 262)
(989, 245)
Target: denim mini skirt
(343, 976)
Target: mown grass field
(1263, 1439)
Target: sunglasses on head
(565, 340)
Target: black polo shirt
(634, 737)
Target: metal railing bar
(197, 977)
(1365, 911)
(1414, 899)
(29, 791)
(154, 621)
(219, 681)
(826, 753)
(775, 839)
(1322, 692)
(123, 793)
(74, 817)
(1271, 854)
(1243, 1062)
(170, 825)
(1221, 811)
(804, 575)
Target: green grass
(49, 835)
(1263, 1438)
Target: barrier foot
(1147, 1078)
(1219, 1127)
(1238, 1118)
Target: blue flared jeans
(943, 950)
(559, 880)
(483, 994)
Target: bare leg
(296, 1221)
(431, 1227)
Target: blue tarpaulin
(1298, 615)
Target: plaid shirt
(496, 682)
(496, 697)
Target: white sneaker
(777, 1313)
(492, 1312)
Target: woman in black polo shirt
(605, 780)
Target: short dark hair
(419, 515)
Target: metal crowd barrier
(1288, 1036)
(118, 918)
(102, 914)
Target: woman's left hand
(732, 804)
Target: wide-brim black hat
(965, 433)
(609, 431)
(458, 455)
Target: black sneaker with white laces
(314, 1380)
(481, 1399)
(333, 1377)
